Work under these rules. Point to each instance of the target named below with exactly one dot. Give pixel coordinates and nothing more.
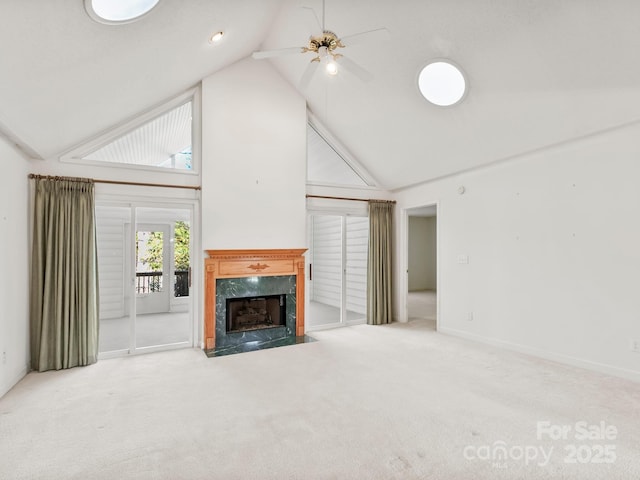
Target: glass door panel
(113, 229)
(325, 283)
(162, 277)
(357, 244)
(152, 268)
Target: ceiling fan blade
(355, 69)
(313, 22)
(371, 36)
(308, 74)
(276, 53)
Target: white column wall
(14, 267)
(253, 159)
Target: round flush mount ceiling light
(442, 83)
(118, 11)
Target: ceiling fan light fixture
(324, 48)
(331, 67)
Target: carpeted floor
(422, 305)
(388, 402)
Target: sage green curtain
(64, 275)
(379, 273)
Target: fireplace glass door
(337, 270)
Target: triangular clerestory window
(325, 166)
(163, 142)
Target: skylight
(118, 11)
(442, 83)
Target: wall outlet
(470, 317)
(635, 346)
(4, 357)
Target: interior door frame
(403, 310)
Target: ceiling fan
(323, 44)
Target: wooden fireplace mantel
(250, 263)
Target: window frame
(77, 154)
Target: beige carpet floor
(363, 402)
(422, 305)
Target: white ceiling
(65, 78)
(541, 72)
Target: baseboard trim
(14, 381)
(546, 355)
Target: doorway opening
(421, 292)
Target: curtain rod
(115, 182)
(351, 199)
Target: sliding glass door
(113, 229)
(325, 272)
(337, 271)
(144, 256)
(162, 277)
(355, 268)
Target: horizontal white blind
(356, 263)
(327, 260)
(110, 224)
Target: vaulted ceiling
(540, 72)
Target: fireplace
(253, 297)
(255, 313)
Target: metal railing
(181, 285)
(151, 282)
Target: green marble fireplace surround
(254, 278)
(254, 287)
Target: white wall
(14, 267)
(553, 241)
(422, 253)
(254, 159)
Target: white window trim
(76, 154)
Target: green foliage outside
(181, 247)
(153, 256)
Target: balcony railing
(151, 282)
(181, 285)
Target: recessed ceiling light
(216, 37)
(118, 11)
(442, 83)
